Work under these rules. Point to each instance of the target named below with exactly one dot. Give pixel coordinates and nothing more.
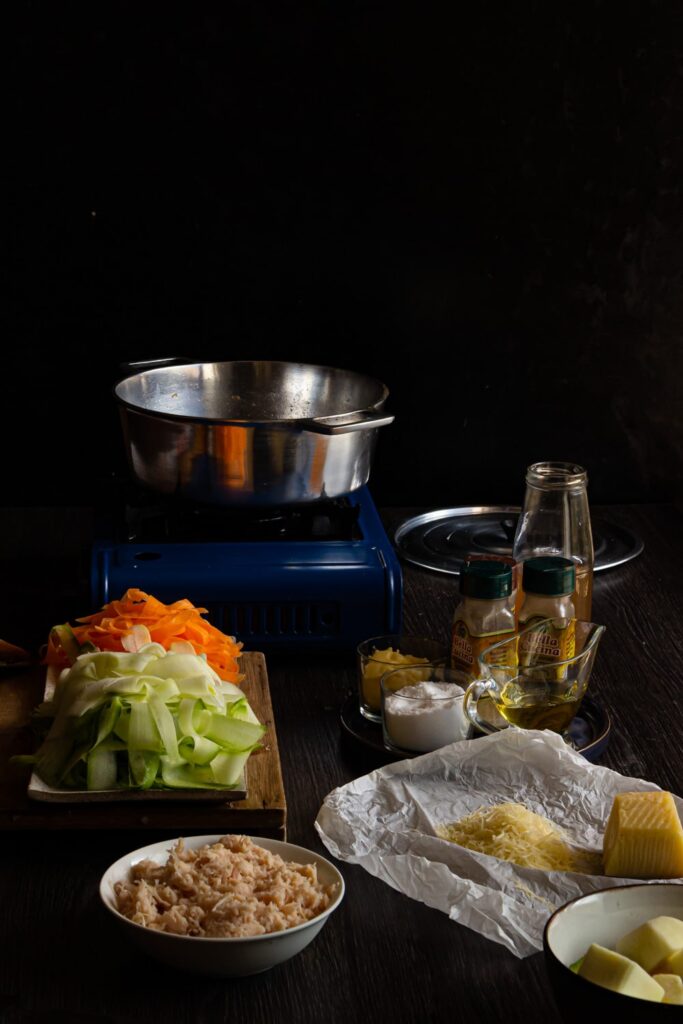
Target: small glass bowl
(416, 723)
(382, 654)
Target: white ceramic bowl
(219, 957)
(603, 917)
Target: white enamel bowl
(218, 957)
(603, 917)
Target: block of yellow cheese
(673, 987)
(644, 837)
(653, 942)
(618, 973)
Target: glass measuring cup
(544, 694)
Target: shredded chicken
(230, 889)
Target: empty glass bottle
(555, 520)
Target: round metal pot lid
(442, 539)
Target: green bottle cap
(549, 575)
(486, 579)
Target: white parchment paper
(385, 822)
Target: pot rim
(284, 423)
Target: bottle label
(550, 643)
(466, 648)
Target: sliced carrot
(138, 614)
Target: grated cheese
(512, 832)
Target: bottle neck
(557, 476)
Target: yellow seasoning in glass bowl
(382, 654)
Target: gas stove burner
(146, 519)
(441, 540)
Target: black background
(479, 205)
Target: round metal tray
(441, 540)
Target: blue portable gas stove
(321, 575)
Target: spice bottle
(548, 584)
(555, 520)
(485, 614)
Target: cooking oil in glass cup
(539, 692)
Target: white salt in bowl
(221, 957)
(604, 917)
(422, 708)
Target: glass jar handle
(473, 692)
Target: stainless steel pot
(251, 433)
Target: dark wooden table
(382, 956)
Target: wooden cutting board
(263, 812)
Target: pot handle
(339, 425)
(153, 364)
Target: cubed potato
(618, 973)
(673, 987)
(672, 964)
(652, 942)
